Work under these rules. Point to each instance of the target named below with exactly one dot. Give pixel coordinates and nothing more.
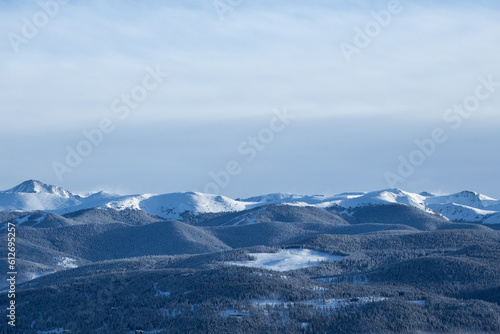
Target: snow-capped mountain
(32, 195)
(381, 197)
(37, 196)
(347, 200)
(467, 198)
(171, 206)
(466, 206)
(37, 187)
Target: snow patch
(289, 259)
(40, 219)
(36, 274)
(20, 221)
(66, 262)
(171, 206)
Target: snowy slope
(493, 219)
(32, 195)
(381, 197)
(460, 212)
(346, 200)
(37, 196)
(171, 206)
(289, 259)
(467, 198)
(465, 206)
(38, 187)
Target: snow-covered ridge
(34, 195)
(171, 206)
(37, 196)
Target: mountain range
(33, 195)
(386, 261)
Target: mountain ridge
(34, 195)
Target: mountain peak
(396, 191)
(38, 187)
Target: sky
(240, 98)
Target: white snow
(171, 206)
(494, 219)
(66, 262)
(35, 186)
(132, 202)
(299, 204)
(20, 221)
(34, 195)
(387, 196)
(461, 212)
(289, 259)
(36, 274)
(467, 198)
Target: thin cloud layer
(226, 77)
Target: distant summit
(468, 198)
(38, 187)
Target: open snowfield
(288, 259)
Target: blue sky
(353, 117)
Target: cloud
(233, 73)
